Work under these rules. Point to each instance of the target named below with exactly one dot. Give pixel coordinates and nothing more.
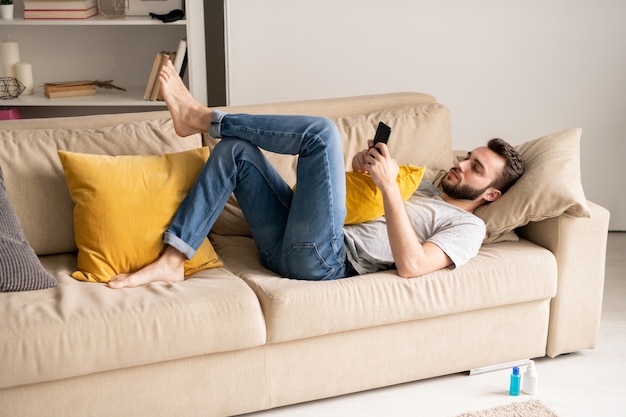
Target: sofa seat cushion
(502, 274)
(80, 328)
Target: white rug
(531, 408)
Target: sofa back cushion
(420, 136)
(20, 269)
(36, 184)
(35, 181)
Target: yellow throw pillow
(364, 199)
(124, 204)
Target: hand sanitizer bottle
(530, 379)
(516, 379)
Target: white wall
(515, 69)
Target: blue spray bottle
(516, 382)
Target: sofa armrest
(579, 245)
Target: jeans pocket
(304, 261)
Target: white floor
(584, 384)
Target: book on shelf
(59, 4)
(180, 63)
(153, 88)
(61, 14)
(179, 60)
(69, 89)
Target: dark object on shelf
(10, 88)
(172, 16)
(108, 84)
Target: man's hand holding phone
(381, 167)
(359, 160)
(382, 134)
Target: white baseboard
(476, 371)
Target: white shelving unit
(121, 50)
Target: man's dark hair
(514, 167)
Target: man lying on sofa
(301, 233)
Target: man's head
(485, 174)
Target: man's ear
(492, 194)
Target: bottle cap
(515, 370)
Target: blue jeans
(299, 234)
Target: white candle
(10, 55)
(24, 73)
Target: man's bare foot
(188, 115)
(169, 268)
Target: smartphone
(382, 134)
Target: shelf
(120, 49)
(103, 97)
(92, 21)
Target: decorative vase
(113, 8)
(6, 11)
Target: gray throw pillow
(20, 269)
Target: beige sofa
(238, 338)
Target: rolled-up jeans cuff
(178, 244)
(216, 123)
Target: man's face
(471, 179)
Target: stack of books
(178, 58)
(60, 9)
(69, 89)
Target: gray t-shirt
(457, 232)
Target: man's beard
(461, 192)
